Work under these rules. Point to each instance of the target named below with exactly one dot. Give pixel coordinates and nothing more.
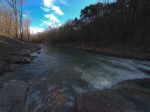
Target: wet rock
(4, 67)
(137, 91)
(129, 96)
(12, 68)
(25, 52)
(56, 101)
(103, 101)
(13, 96)
(35, 48)
(22, 60)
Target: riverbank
(14, 52)
(120, 51)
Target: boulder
(103, 101)
(13, 96)
(56, 101)
(128, 96)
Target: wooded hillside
(124, 22)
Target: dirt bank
(14, 52)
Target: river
(74, 72)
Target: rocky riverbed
(70, 80)
(128, 96)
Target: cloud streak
(52, 24)
(52, 10)
(57, 10)
(52, 17)
(35, 30)
(45, 9)
(64, 2)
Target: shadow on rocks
(13, 96)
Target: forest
(13, 22)
(120, 23)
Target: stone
(103, 101)
(13, 95)
(128, 96)
(4, 67)
(24, 53)
(22, 60)
(56, 101)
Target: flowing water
(72, 72)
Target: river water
(72, 72)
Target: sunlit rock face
(13, 96)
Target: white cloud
(52, 17)
(24, 16)
(52, 24)
(35, 30)
(44, 22)
(45, 9)
(49, 6)
(57, 10)
(48, 3)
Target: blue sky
(44, 13)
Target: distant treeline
(121, 22)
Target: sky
(52, 13)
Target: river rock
(56, 101)
(138, 90)
(13, 96)
(25, 53)
(103, 101)
(129, 96)
(22, 60)
(4, 67)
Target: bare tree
(26, 27)
(13, 4)
(21, 18)
(16, 5)
(7, 20)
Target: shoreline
(15, 52)
(122, 52)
